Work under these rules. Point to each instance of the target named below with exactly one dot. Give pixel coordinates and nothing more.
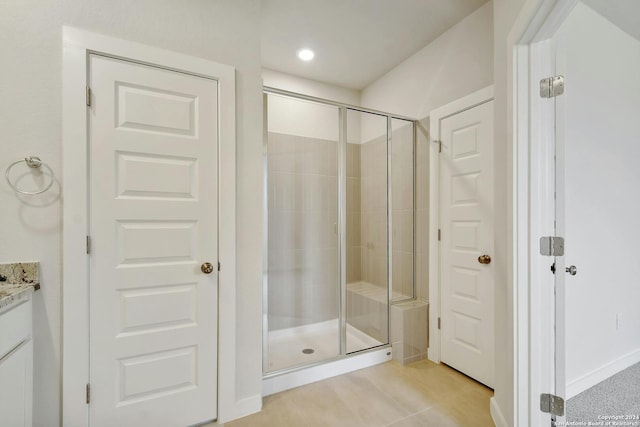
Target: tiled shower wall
(303, 213)
(422, 210)
(303, 241)
(373, 218)
(402, 185)
(367, 207)
(354, 214)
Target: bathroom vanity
(17, 283)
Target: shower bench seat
(409, 325)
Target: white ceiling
(624, 13)
(355, 41)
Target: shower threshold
(308, 353)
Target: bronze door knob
(206, 268)
(484, 259)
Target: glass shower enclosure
(339, 190)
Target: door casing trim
(77, 45)
(528, 196)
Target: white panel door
(597, 135)
(466, 222)
(153, 215)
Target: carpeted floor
(618, 396)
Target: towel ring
(33, 162)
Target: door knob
(206, 268)
(572, 270)
(484, 259)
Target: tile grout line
(408, 416)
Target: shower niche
(339, 229)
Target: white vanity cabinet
(16, 363)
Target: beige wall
(303, 242)
(455, 64)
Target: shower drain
(308, 351)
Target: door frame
(465, 103)
(77, 46)
(530, 153)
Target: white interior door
(466, 223)
(153, 223)
(597, 323)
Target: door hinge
(88, 393)
(218, 265)
(439, 323)
(88, 100)
(551, 246)
(551, 404)
(88, 244)
(551, 87)
(436, 141)
(439, 235)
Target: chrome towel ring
(33, 162)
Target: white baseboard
(433, 355)
(496, 414)
(249, 406)
(414, 358)
(288, 380)
(242, 408)
(600, 374)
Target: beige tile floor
(418, 394)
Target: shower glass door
(302, 289)
(403, 209)
(339, 228)
(366, 307)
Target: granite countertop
(18, 281)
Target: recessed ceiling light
(306, 54)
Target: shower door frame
(342, 225)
